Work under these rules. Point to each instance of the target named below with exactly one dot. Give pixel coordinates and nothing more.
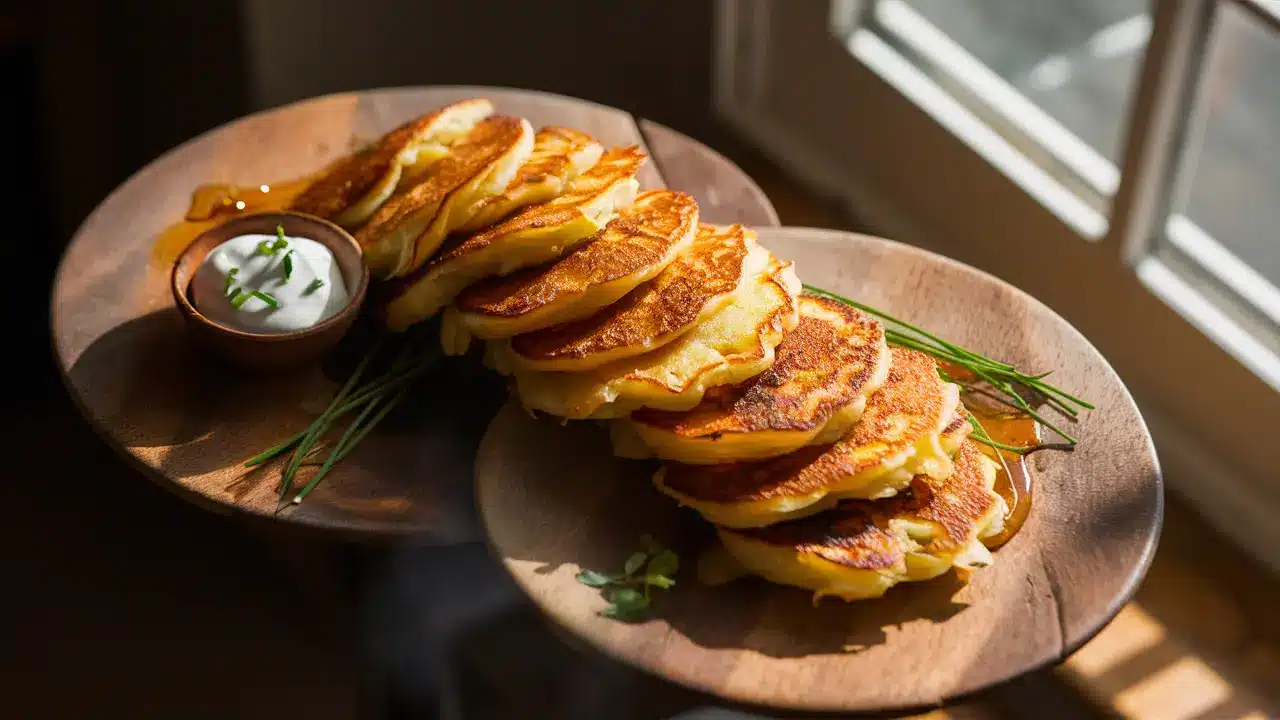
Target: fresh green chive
(239, 298)
(266, 298)
(280, 233)
(313, 286)
(231, 279)
(288, 266)
(1002, 377)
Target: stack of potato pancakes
(824, 458)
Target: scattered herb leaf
(661, 581)
(288, 266)
(634, 563)
(617, 612)
(239, 298)
(628, 593)
(626, 598)
(593, 578)
(231, 279)
(664, 563)
(313, 286)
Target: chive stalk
(1001, 376)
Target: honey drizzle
(1013, 480)
(213, 204)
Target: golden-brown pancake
(826, 368)
(901, 434)
(534, 235)
(734, 344)
(353, 188)
(412, 223)
(699, 282)
(559, 155)
(861, 548)
(633, 248)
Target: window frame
(909, 177)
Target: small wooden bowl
(272, 351)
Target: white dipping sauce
(302, 302)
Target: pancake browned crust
(559, 155)
(826, 368)
(693, 287)
(731, 346)
(534, 235)
(861, 548)
(898, 436)
(633, 248)
(377, 169)
(390, 239)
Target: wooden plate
(188, 423)
(553, 500)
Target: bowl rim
(354, 301)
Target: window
(1222, 236)
(1053, 79)
(1118, 159)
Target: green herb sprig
(371, 400)
(628, 592)
(1009, 382)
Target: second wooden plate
(554, 500)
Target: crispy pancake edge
(694, 286)
(759, 405)
(352, 177)
(812, 469)
(592, 264)
(488, 141)
(857, 533)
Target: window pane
(1227, 214)
(1075, 59)
(1039, 88)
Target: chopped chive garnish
(231, 278)
(239, 298)
(266, 298)
(271, 247)
(288, 266)
(314, 286)
(280, 242)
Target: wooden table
(189, 424)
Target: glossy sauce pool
(213, 204)
(1013, 480)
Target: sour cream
(247, 284)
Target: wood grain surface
(188, 422)
(553, 501)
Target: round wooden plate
(553, 500)
(188, 423)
